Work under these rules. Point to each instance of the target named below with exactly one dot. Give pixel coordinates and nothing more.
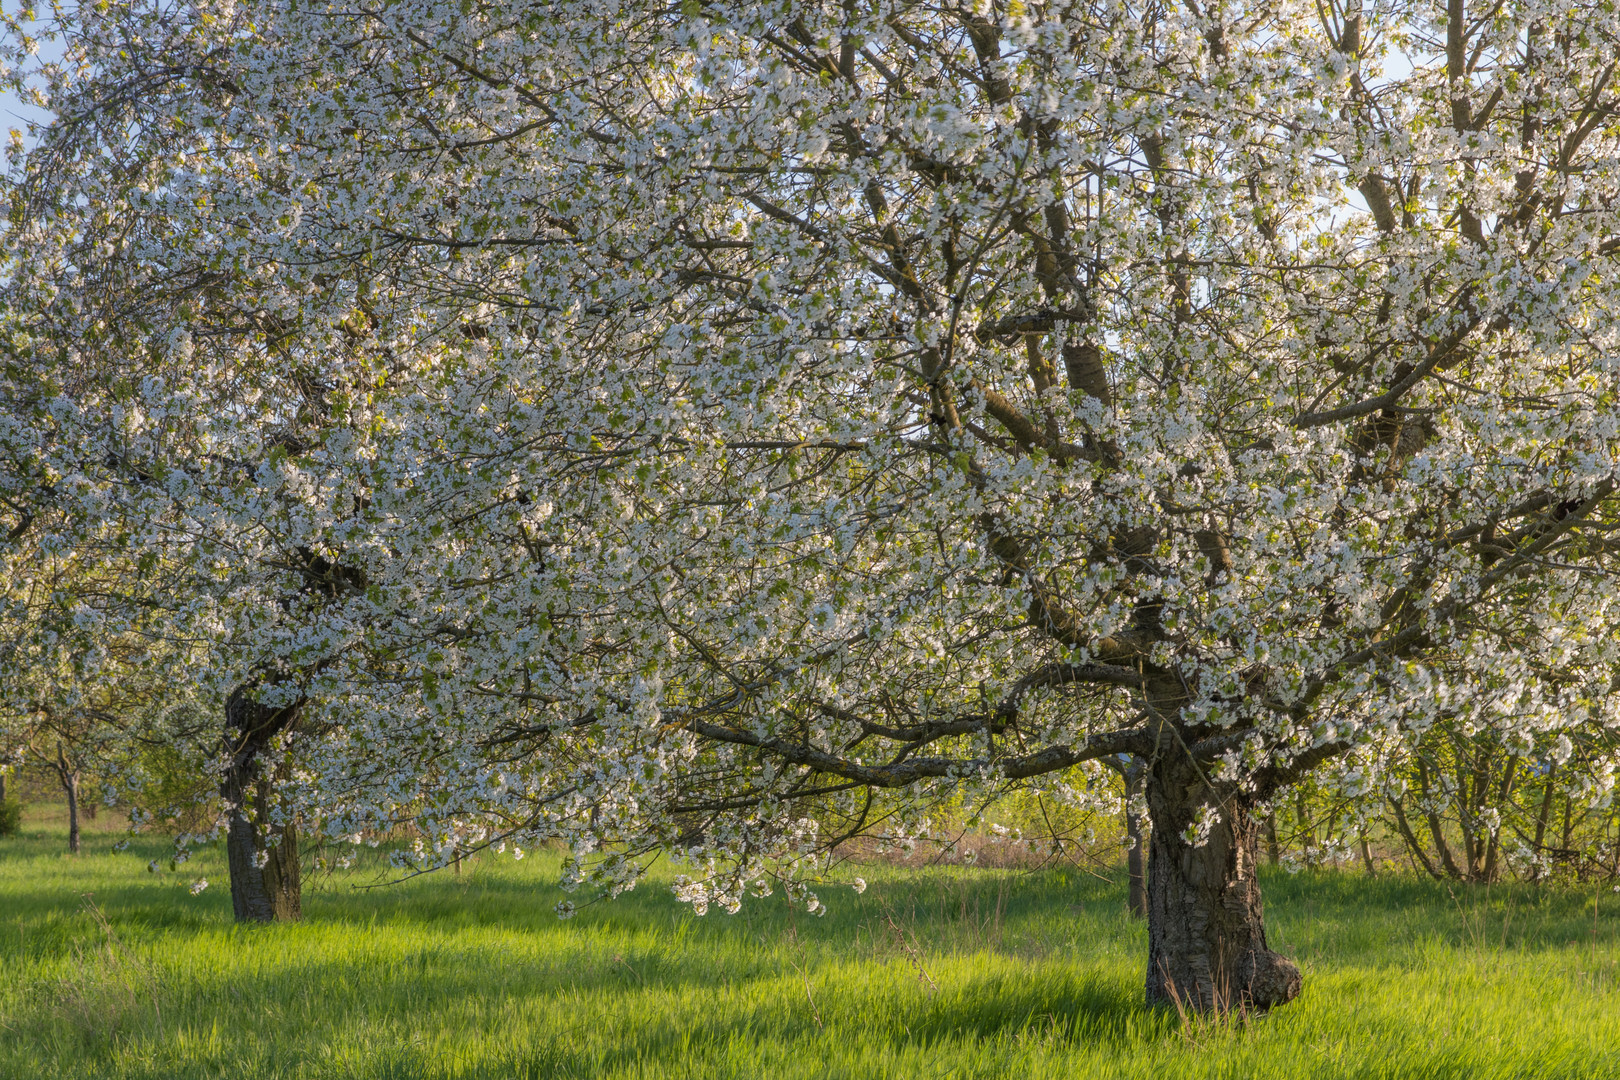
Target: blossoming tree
(689, 418)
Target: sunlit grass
(930, 973)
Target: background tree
(1466, 806)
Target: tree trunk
(249, 897)
(1441, 849)
(70, 784)
(1468, 803)
(1207, 948)
(262, 856)
(283, 878)
(1470, 863)
(1307, 836)
(1541, 822)
(1495, 844)
(1273, 849)
(1412, 845)
(1437, 832)
(1133, 857)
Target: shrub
(10, 816)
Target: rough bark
(1207, 948)
(262, 856)
(283, 878)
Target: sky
(14, 113)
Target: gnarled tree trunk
(1207, 946)
(265, 884)
(262, 856)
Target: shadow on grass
(452, 959)
(402, 959)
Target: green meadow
(107, 970)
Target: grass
(941, 973)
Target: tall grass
(107, 970)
